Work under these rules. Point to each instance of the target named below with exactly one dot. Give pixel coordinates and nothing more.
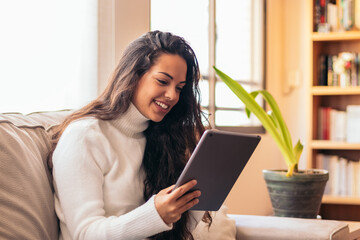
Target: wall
(286, 54)
(120, 22)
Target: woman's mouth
(162, 105)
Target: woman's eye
(162, 81)
(179, 89)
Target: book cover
(353, 126)
(322, 70)
(357, 14)
(334, 174)
(332, 16)
(340, 126)
(343, 180)
(323, 162)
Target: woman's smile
(162, 105)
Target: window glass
(204, 87)
(48, 57)
(239, 39)
(233, 41)
(225, 98)
(188, 19)
(229, 118)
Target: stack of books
(336, 15)
(332, 124)
(344, 175)
(341, 70)
(337, 125)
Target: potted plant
(293, 193)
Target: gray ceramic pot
(297, 196)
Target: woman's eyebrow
(183, 82)
(167, 75)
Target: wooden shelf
(329, 90)
(340, 200)
(326, 144)
(335, 36)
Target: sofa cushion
(26, 196)
(222, 227)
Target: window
(229, 34)
(48, 57)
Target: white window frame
(212, 78)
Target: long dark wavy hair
(170, 142)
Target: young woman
(115, 160)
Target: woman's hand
(170, 205)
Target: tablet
(216, 164)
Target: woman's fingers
(189, 205)
(169, 189)
(180, 191)
(187, 198)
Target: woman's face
(159, 89)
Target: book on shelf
(336, 15)
(341, 69)
(357, 14)
(332, 124)
(338, 125)
(353, 123)
(333, 16)
(344, 175)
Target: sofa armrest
(278, 228)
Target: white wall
(120, 22)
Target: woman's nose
(171, 94)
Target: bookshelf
(337, 96)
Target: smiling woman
(115, 160)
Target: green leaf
(298, 150)
(253, 94)
(273, 118)
(281, 138)
(277, 115)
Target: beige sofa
(26, 191)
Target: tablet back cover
(216, 164)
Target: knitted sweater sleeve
(80, 163)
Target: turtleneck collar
(132, 123)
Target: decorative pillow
(26, 196)
(222, 227)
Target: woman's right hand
(171, 204)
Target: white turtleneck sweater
(99, 180)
